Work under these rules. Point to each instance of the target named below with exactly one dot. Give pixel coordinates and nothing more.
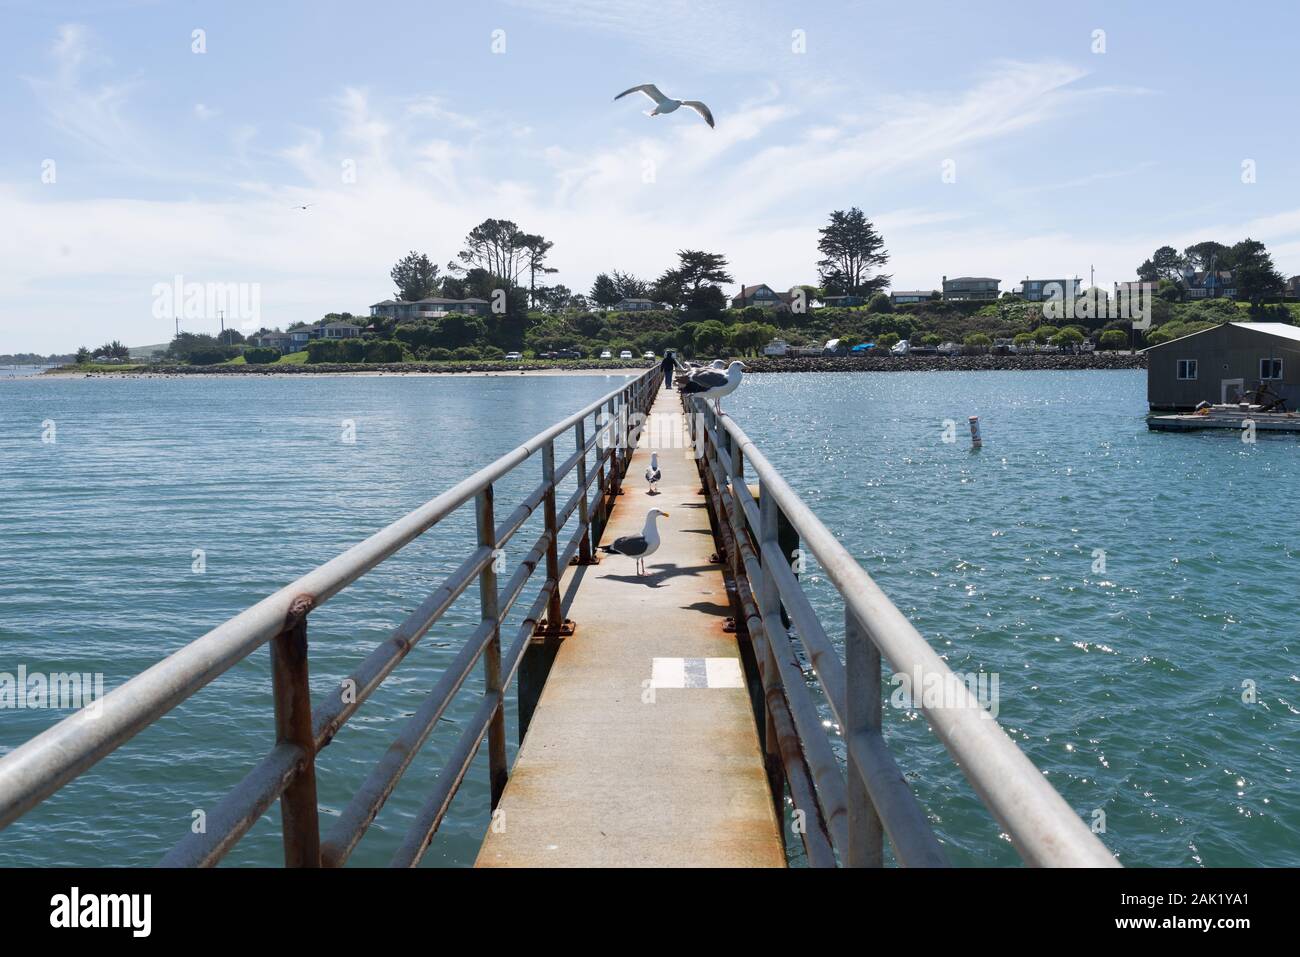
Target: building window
(1186, 368)
(1270, 369)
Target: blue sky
(169, 162)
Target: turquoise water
(1124, 687)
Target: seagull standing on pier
(695, 368)
(639, 547)
(652, 474)
(666, 104)
(713, 384)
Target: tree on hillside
(696, 282)
(604, 291)
(1207, 255)
(668, 288)
(415, 276)
(498, 247)
(83, 355)
(536, 248)
(629, 286)
(1253, 272)
(851, 251)
(1165, 263)
(553, 298)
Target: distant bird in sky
(713, 384)
(666, 104)
(653, 474)
(304, 206)
(639, 547)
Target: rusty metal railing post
(615, 473)
(863, 704)
(555, 622)
(602, 497)
(292, 693)
(490, 611)
(585, 550)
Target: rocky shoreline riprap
(977, 363)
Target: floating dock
(1229, 417)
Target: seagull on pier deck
(666, 104)
(714, 384)
(639, 547)
(693, 369)
(653, 474)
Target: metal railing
(35, 770)
(850, 811)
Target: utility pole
(178, 325)
(221, 313)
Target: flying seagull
(713, 384)
(306, 206)
(666, 104)
(640, 546)
(653, 474)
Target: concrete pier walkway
(642, 750)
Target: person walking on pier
(669, 363)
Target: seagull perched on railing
(714, 384)
(666, 104)
(640, 546)
(652, 474)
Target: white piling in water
(975, 441)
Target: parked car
(647, 354)
(1088, 346)
(625, 354)
(901, 348)
(568, 354)
(548, 355)
(835, 347)
(1004, 347)
(513, 356)
(606, 354)
(950, 349)
(862, 348)
(777, 347)
(923, 351)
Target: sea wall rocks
(1097, 360)
(980, 363)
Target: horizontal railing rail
(36, 769)
(851, 810)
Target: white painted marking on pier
(696, 673)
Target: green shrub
(323, 350)
(260, 356)
(352, 350)
(211, 356)
(465, 354)
(1113, 339)
(493, 352)
(880, 303)
(380, 350)
(437, 354)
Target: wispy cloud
(88, 111)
